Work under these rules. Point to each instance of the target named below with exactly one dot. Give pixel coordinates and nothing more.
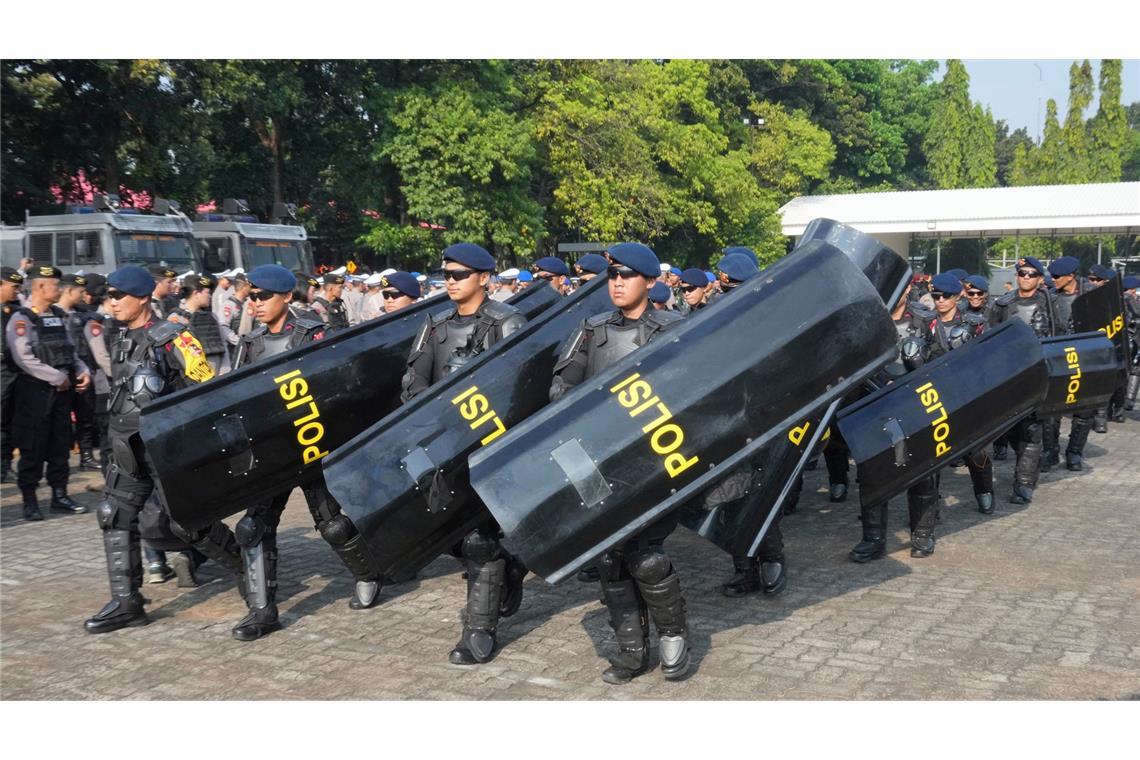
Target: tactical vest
(946, 336)
(1063, 305)
(235, 320)
(610, 336)
(456, 340)
(6, 313)
(208, 332)
(335, 309)
(76, 323)
(141, 370)
(53, 344)
(1034, 311)
(260, 343)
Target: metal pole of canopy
(938, 256)
(1099, 243)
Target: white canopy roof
(1040, 210)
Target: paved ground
(1030, 603)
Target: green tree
(1108, 129)
(1008, 146)
(1073, 165)
(959, 144)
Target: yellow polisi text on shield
(940, 418)
(1074, 361)
(476, 409)
(1113, 327)
(665, 437)
(294, 390)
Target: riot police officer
(1132, 314)
(590, 266)
(447, 341)
(637, 576)
(1068, 285)
(549, 270)
(1033, 304)
(399, 290)
(195, 313)
(1114, 410)
(693, 288)
(328, 304)
(949, 330)
(50, 371)
(659, 296)
(910, 320)
(279, 331)
(149, 358)
(732, 270)
(10, 282)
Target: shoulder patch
(96, 328)
(20, 326)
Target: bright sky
(1017, 90)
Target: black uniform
(1038, 312)
(41, 423)
(638, 575)
(146, 363)
(445, 343)
(1082, 421)
(8, 373)
(333, 312)
(257, 530)
(86, 432)
(1132, 314)
(922, 497)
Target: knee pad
(482, 548)
(338, 531)
(650, 565)
(189, 536)
(105, 514)
(249, 531)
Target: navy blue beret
(552, 264)
(593, 262)
(471, 256)
(273, 277)
(134, 281)
(738, 266)
(946, 283)
(1030, 261)
(403, 282)
(961, 274)
(1063, 266)
(1103, 272)
(1130, 282)
(694, 277)
(659, 293)
(979, 282)
(742, 249)
(638, 257)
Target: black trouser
(835, 456)
(1026, 436)
(102, 422)
(7, 409)
(41, 429)
(84, 407)
(981, 469)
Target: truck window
(39, 247)
(219, 253)
(143, 248)
(287, 253)
(64, 248)
(88, 252)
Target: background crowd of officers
(82, 354)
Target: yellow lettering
(635, 393)
(675, 464)
(921, 388)
(311, 434)
(500, 428)
(465, 394)
(286, 376)
(796, 434)
(312, 454)
(625, 382)
(941, 419)
(941, 432)
(1071, 399)
(473, 408)
(483, 419)
(644, 406)
(940, 449)
(313, 414)
(666, 415)
(929, 399)
(661, 448)
(294, 388)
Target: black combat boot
(667, 608)
(124, 569)
(589, 574)
(1100, 421)
(61, 502)
(631, 630)
(87, 460)
(837, 492)
(1001, 450)
(260, 562)
(874, 543)
(1132, 392)
(216, 542)
(985, 503)
(1078, 437)
(923, 507)
(31, 506)
(184, 564)
(481, 617)
(746, 579)
(773, 575)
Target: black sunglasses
(262, 295)
(1028, 273)
(942, 296)
(623, 272)
(545, 276)
(975, 293)
(115, 295)
(688, 288)
(1093, 278)
(390, 295)
(458, 274)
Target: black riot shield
(1084, 371)
(1102, 309)
(912, 427)
(888, 272)
(403, 481)
(677, 416)
(263, 429)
